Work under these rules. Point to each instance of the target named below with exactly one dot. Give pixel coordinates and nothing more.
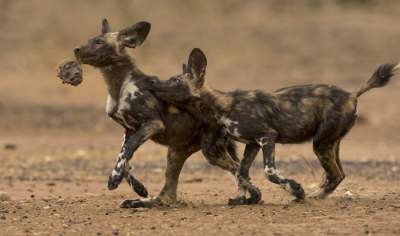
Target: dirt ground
(57, 147)
(56, 185)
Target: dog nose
(76, 50)
(76, 74)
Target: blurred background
(249, 44)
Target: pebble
(348, 194)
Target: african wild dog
(323, 113)
(145, 117)
(70, 72)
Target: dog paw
(141, 203)
(237, 201)
(115, 179)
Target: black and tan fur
(317, 112)
(70, 72)
(145, 117)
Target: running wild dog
(145, 117)
(70, 72)
(321, 113)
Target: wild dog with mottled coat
(70, 72)
(317, 112)
(145, 117)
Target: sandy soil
(56, 184)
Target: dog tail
(379, 78)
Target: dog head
(110, 47)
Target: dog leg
(290, 185)
(133, 140)
(243, 178)
(175, 162)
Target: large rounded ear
(134, 35)
(197, 64)
(105, 26)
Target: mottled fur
(70, 72)
(144, 116)
(317, 112)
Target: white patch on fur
(121, 163)
(272, 171)
(128, 89)
(111, 104)
(119, 156)
(115, 173)
(123, 141)
(227, 122)
(236, 133)
(262, 141)
(230, 126)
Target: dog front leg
(133, 140)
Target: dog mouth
(88, 59)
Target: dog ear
(197, 64)
(105, 26)
(134, 35)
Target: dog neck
(218, 101)
(115, 74)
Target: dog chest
(119, 107)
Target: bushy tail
(379, 79)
